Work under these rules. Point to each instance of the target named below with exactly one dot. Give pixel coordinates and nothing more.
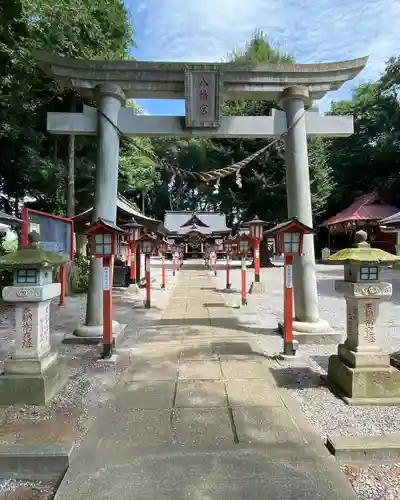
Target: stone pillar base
(319, 332)
(363, 385)
(257, 288)
(32, 388)
(93, 335)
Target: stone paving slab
(205, 427)
(204, 393)
(245, 369)
(151, 370)
(198, 353)
(147, 395)
(268, 425)
(252, 393)
(201, 370)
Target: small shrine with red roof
(365, 212)
(195, 229)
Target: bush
(80, 274)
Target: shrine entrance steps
(197, 415)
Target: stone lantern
(361, 372)
(33, 374)
(256, 227)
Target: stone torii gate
(204, 87)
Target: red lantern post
(133, 231)
(148, 244)
(104, 245)
(290, 242)
(243, 248)
(256, 227)
(163, 247)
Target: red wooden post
(148, 288)
(133, 262)
(228, 284)
(108, 262)
(244, 296)
(257, 243)
(288, 306)
(25, 227)
(163, 271)
(63, 283)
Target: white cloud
(313, 31)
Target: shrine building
(195, 229)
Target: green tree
(32, 159)
(368, 159)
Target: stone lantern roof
(362, 252)
(31, 256)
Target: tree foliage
(368, 159)
(33, 163)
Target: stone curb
(368, 449)
(44, 462)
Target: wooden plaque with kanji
(203, 98)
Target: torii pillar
(307, 324)
(110, 98)
(110, 81)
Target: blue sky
(311, 30)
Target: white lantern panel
(287, 247)
(26, 276)
(368, 273)
(287, 237)
(295, 236)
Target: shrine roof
(126, 209)
(10, 220)
(211, 222)
(391, 220)
(366, 207)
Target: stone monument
(33, 374)
(361, 372)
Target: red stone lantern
(256, 227)
(244, 243)
(289, 236)
(133, 229)
(148, 245)
(104, 237)
(163, 248)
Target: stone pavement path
(198, 416)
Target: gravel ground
(68, 416)
(26, 490)
(301, 377)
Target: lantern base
(33, 388)
(93, 335)
(319, 332)
(257, 288)
(364, 385)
